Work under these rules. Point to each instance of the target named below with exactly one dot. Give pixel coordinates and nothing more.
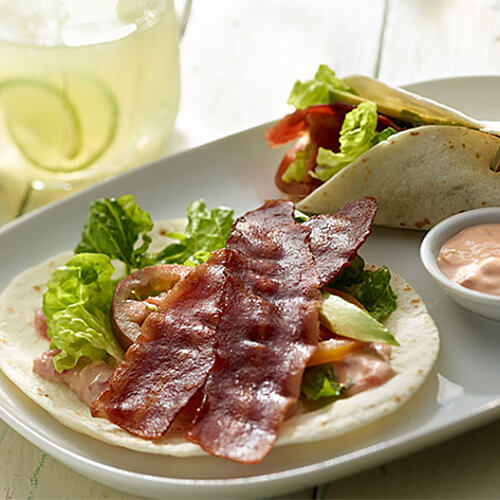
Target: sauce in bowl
(471, 258)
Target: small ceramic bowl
(481, 303)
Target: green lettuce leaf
(297, 169)
(371, 288)
(319, 383)
(357, 135)
(320, 90)
(76, 306)
(113, 227)
(207, 230)
(383, 135)
(350, 274)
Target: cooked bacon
(335, 239)
(320, 127)
(322, 116)
(171, 358)
(267, 333)
(239, 331)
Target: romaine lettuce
(113, 227)
(371, 288)
(320, 90)
(207, 230)
(357, 135)
(78, 300)
(76, 306)
(297, 169)
(319, 383)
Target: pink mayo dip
(472, 258)
(362, 370)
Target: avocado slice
(346, 319)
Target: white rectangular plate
(237, 171)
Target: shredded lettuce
(320, 90)
(371, 288)
(319, 383)
(357, 135)
(76, 306)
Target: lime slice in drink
(60, 130)
(29, 107)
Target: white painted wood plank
(241, 58)
(26, 472)
(465, 467)
(437, 38)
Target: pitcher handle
(184, 18)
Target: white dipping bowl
(481, 303)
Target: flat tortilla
(419, 177)
(20, 345)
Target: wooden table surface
(239, 60)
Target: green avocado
(348, 320)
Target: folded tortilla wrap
(402, 104)
(444, 165)
(20, 345)
(419, 177)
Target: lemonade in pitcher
(87, 88)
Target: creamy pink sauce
(40, 323)
(364, 369)
(472, 258)
(87, 382)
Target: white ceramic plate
(237, 171)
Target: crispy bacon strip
(171, 358)
(238, 330)
(267, 333)
(335, 239)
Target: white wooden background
(239, 60)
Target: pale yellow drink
(87, 88)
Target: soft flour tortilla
(20, 345)
(399, 103)
(419, 177)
